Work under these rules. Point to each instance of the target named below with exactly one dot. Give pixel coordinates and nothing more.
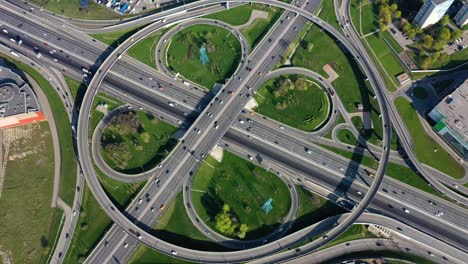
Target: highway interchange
(237, 135)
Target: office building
(461, 18)
(431, 12)
(451, 117)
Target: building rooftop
(438, 2)
(16, 97)
(454, 108)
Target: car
(251, 158)
(173, 252)
(221, 102)
(74, 212)
(152, 209)
(439, 213)
(139, 201)
(241, 121)
(209, 114)
(230, 92)
(216, 126)
(358, 192)
(125, 245)
(406, 210)
(281, 127)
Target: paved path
(47, 111)
(256, 14)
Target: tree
(393, 7)
(224, 223)
(443, 57)
(411, 33)
(445, 20)
(397, 14)
(242, 231)
(435, 57)
(444, 34)
(226, 208)
(456, 34)
(426, 63)
(427, 41)
(383, 27)
(438, 44)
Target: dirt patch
(14, 141)
(332, 75)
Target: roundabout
(181, 163)
(186, 59)
(295, 100)
(134, 142)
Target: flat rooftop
(16, 97)
(454, 107)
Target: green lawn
(391, 42)
(236, 16)
(387, 58)
(350, 85)
(255, 32)
(222, 48)
(147, 146)
(145, 50)
(312, 209)
(145, 255)
(245, 187)
(91, 225)
(352, 233)
(67, 152)
(374, 135)
(71, 8)
(424, 145)
(327, 13)
(28, 225)
(96, 115)
(396, 171)
(346, 136)
(304, 108)
(385, 254)
(114, 38)
(175, 227)
(369, 16)
(419, 92)
(120, 193)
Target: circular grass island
(222, 48)
(294, 100)
(244, 187)
(134, 142)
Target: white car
(439, 213)
(125, 245)
(74, 212)
(173, 252)
(406, 210)
(251, 158)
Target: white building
(431, 12)
(461, 18)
